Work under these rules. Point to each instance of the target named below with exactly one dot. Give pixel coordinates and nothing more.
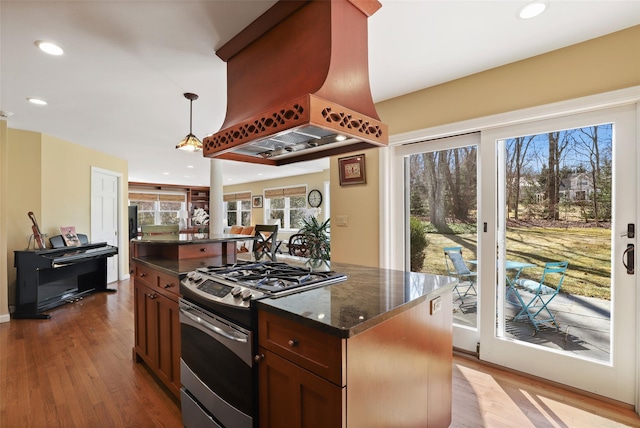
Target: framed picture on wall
(256, 202)
(352, 170)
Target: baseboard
(5, 318)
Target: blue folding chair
(542, 293)
(456, 267)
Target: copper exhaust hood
(298, 85)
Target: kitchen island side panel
(400, 371)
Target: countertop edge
(345, 333)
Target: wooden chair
(266, 240)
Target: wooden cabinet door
(146, 333)
(168, 362)
(291, 396)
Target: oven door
(215, 369)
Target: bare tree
(516, 155)
(435, 165)
(461, 179)
(587, 142)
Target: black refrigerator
(133, 221)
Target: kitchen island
(157, 264)
(374, 350)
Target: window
(288, 205)
(158, 208)
(237, 208)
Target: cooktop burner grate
(271, 277)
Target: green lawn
(587, 250)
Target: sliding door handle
(627, 259)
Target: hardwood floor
(76, 370)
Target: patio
(584, 325)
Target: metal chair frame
(542, 295)
(457, 268)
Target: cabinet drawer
(194, 251)
(146, 275)
(169, 283)
(314, 350)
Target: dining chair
(457, 267)
(298, 245)
(265, 243)
(539, 294)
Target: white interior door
(560, 350)
(104, 214)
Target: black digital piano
(52, 277)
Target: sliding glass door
(441, 207)
(558, 274)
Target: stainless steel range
(217, 325)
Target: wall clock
(314, 198)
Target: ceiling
(118, 87)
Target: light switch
(342, 220)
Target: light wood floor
(76, 370)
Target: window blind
(240, 196)
(286, 191)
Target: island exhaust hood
(298, 85)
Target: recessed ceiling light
(37, 101)
(533, 9)
(340, 138)
(165, 173)
(50, 48)
(189, 166)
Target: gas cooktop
(271, 277)
(237, 285)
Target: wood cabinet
(157, 325)
(396, 373)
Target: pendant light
(190, 143)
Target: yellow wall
(4, 186)
(600, 65)
(52, 178)
(604, 64)
(358, 241)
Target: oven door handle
(229, 335)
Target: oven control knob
(197, 277)
(236, 292)
(246, 295)
(190, 275)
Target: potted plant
(317, 237)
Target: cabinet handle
(153, 296)
(142, 275)
(258, 358)
(168, 285)
(293, 343)
(204, 250)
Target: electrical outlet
(436, 304)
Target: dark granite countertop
(368, 297)
(190, 238)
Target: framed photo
(256, 202)
(352, 170)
